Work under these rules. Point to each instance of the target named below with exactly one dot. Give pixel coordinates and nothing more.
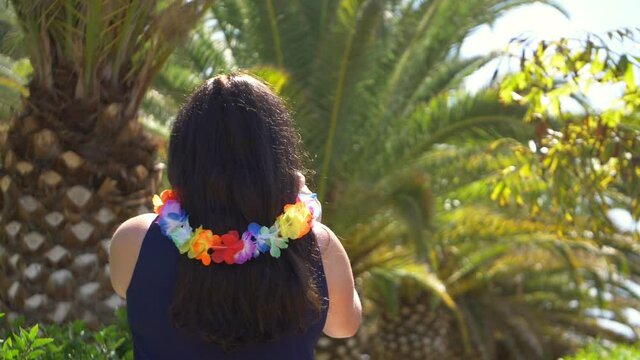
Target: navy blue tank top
(149, 298)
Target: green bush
(24, 344)
(69, 341)
(598, 352)
(112, 342)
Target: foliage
(500, 270)
(358, 46)
(23, 344)
(14, 69)
(356, 72)
(198, 59)
(576, 167)
(11, 40)
(535, 273)
(69, 341)
(597, 351)
(587, 162)
(107, 45)
(13, 84)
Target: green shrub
(69, 341)
(24, 344)
(597, 351)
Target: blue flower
(261, 236)
(171, 217)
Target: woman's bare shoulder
(125, 248)
(324, 236)
(345, 310)
(132, 231)
(142, 220)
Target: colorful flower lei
(233, 248)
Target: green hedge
(74, 341)
(69, 341)
(599, 352)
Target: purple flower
(248, 250)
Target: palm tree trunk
(418, 332)
(69, 176)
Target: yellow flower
(295, 222)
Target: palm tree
(506, 283)
(75, 160)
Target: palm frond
(104, 42)
(13, 85)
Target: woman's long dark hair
(233, 159)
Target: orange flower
(205, 258)
(202, 242)
(159, 201)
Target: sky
(546, 22)
(543, 22)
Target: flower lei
(232, 248)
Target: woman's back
(231, 268)
(149, 298)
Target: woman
(234, 264)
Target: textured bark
(70, 175)
(418, 331)
(414, 332)
(355, 348)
